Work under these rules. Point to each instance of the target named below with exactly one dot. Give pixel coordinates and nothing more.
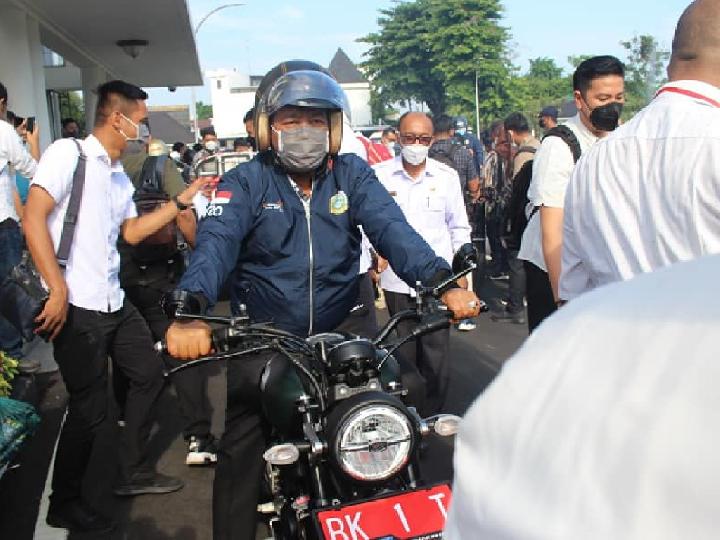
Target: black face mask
(607, 117)
(542, 123)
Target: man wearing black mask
(599, 88)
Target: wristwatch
(180, 206)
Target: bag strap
(567, 135)
(160, 171)
(73, 209)
(526, 149)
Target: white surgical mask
(211, 146)
(415, 154)
(138, 134)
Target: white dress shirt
(351, 145)
(13, 157)
(605, 424)
(646, 196)
(552, 167)
(434, 206)
(94, 262)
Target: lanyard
(689, 93)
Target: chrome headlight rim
(354, 407)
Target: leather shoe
(507, 316)
(77, 517)
(144, 484)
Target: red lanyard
(689, 93)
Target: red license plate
(411, 515)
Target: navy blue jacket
(299, 271)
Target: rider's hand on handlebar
(463, 304)
(189, 340)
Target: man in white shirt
(604, 425)
(87, 315)
(428, 192)
(13, 157)
(599, 94)
(649, 195)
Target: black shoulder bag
(22, 295)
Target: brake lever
(438, 289)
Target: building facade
(47, 46)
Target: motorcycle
(343, 462)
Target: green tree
(644, 71)
(72, 106)
(380, 107)
(400, 62)
(575, 61)
(468, 42)
(203, 110)
(545, 83)
(432, 50)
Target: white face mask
(415, 154)
(138, 133)
(211, 146)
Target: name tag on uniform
(338, 203)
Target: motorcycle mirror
(208, 167)
(464, 258)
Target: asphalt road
(475, 359)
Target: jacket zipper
(306, 205)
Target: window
(51, 58)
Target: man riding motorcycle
(287, 227)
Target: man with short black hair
(548, 118)
(87, 315)
(469, 141)
(243, 144)
(599, 89)
(390, 140)
(70, 128)
(249, 121)
(518, 131)
(446, 150)
(209, 144)
(647, 195)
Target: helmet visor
(305, 89)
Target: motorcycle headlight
(373, 443)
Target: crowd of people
(318, 222)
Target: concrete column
(21, 68)
(92, 77)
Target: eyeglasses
(409, 138)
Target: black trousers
(540, 299)
(493, 226)
(190, 384)
(362, 320)
(81, 351)
(429, 355)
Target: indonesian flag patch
(221, 197)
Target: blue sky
(261, 34)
